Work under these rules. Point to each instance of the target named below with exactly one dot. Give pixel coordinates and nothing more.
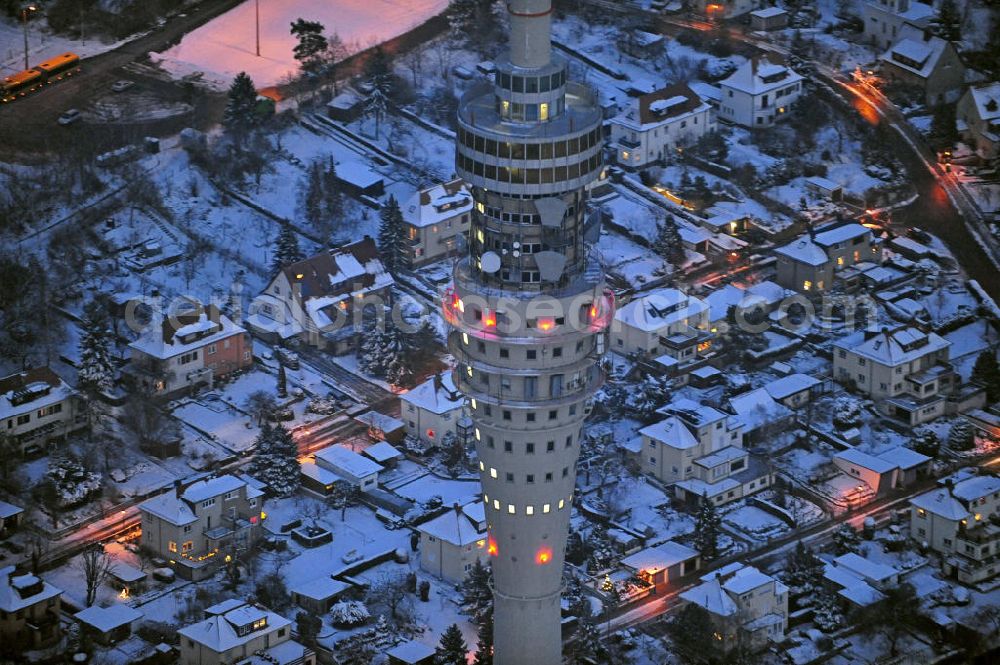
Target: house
(411, 652)
(38, 408)
(108, 625)
(884, 19)
(190, 348)
(858, 581)
(355, 469)
(233, 630)
(451, 543)
(809, 263)
(347, 106)
(664, 563)
(29, 610)
(876, 472)
(662, 322)
(699, 450)
(758, 299)
(659, 123)
(824, 188)
(746, 605)
(979, 109)
(906, 370)
(758, 93)
(760, 414)
(722, 9)
(384, 454)
(794, 390)
(382, 426)
(641, 44)
(10, 517)
(925, 62)
(958, 520)
(199, 524)
(318, 595)
(432, 409)
(127, 580)
(320, 300)
(433, 220)
(769, 18)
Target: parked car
(69, 116)
(122, 85)
(289, 359)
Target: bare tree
(388, 592)
(97, 565)
(414, 61)
(260, 404)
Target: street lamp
(24, 20)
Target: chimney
(178, 488)
(438, 382)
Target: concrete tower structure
(529, 311)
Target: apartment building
(883, 19)
(658, 124)
(432, 409)
(433, 220)
(38, 408)
(904, 369)
(960, 520)
(746, 605)
(189, 348)
(29, 610)
(759, 93)
(450, 544)
(198, 525)
(235, 631)
(979, 108)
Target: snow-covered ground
(42, 45)
(226, 45)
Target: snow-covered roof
(319, 474)
(383, 451)
(29, 390)
(842, 233)
(456, 527)
(711, 596)
(169, 508)
(721, 299)
(916, 52)
(411, 652)
(893, 347)
(865, 461)
(659, 309)
(804, 250)
(320, 588)
(180, 333)
(706, 91)
(436, 395)
(699, 487)
(940, 502)
(976, 488)
(904, 458)
(757, 408)
(212, 487)
(693, 412)
(865, 568)
(671, 432)
(219, 633)
(822, 183)
(987, 101)
(721, 456)
(759, 75)
(9, 510)
(437, 203)
(738, 578)
(15, 590)
(126, 573)
(106, 619)
(380, 421)
(768, 12)
(662, 107)
(346, 461)
(659, 557)
(790, 385)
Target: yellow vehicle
(29, 80)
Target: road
(29, 124)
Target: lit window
(493, 472)
(486, 499)
(475, 404)
(496, 504)
(529, 510)
(477, 435)
(806, 285)
(482, 466)
(543, 111)
(546, 508)
(511, 509)
(562, 503)
(172, 546)
(465, 338)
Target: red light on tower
(543, 556)
(593, 312)
(491, 546)
(545, 324)
(489, 320)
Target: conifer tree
(282, 381)
(961, 436)
(389, 230)
(287, 252)
(986, 372)
(96, 374)
(312, 198)
(706, 530)
(275, 460)
(452, 648)
(476, 590)
(586, 644)
(484, 643)
(667, 243)
(948, 23)
(311, 44)
(241, 109)
(333, 200)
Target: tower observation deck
(528, 311)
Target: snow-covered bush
(846, 413)
(349, 613)
(961, 436)
(322, 405)
(72, 483)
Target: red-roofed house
(189, 348)
(318, 298)
(661, 122)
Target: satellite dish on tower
(490, 262)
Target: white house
(743, 602)
(979, 109)
(451, 543)
(433, 219)
(665, 321)
(759, 93)
(356, 469)
(234, 630)
(431, 409)
(925, 62)
(658, 124)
